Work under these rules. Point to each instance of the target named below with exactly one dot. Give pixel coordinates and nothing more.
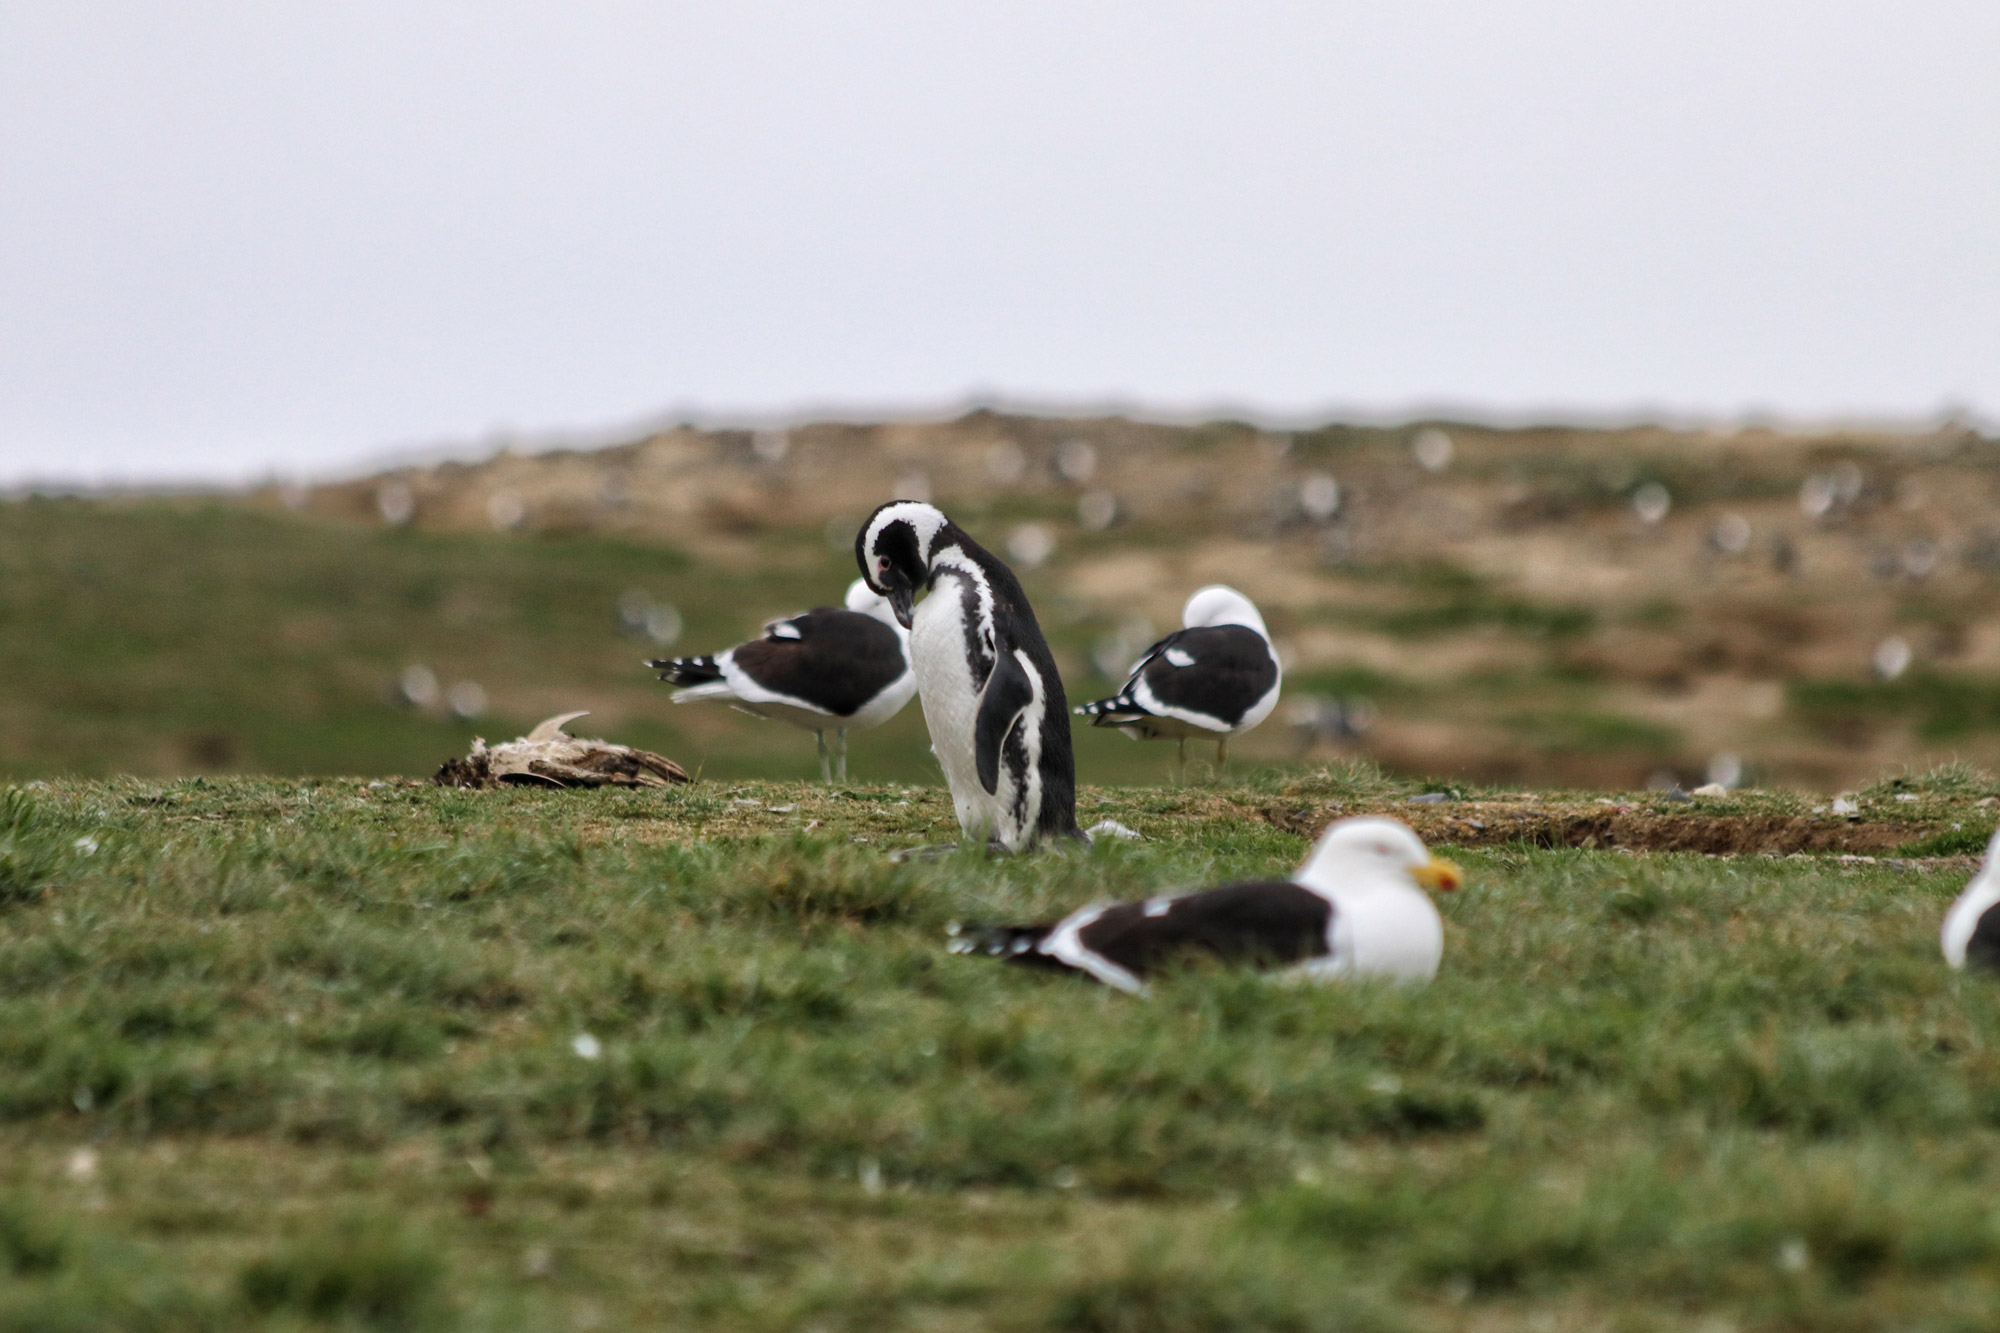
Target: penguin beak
(902, 597)
(1439, 876)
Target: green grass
(307, 1053)
(166, 637)
(1443, 599)
(1942, 706)
(1591, 733)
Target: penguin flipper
(1008, 691)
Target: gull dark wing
(1007, 692)
(839, 660)
(1232, 668)
(1261, 922)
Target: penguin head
(1219, 604)
(1354, 851)
(893, 549)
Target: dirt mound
(1634, 830)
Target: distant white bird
(822, 670)
(1356, 908)
(1971, 935)
(993, 701)
(1217, 676)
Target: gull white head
(1369, 848)
(1219, 604)
(894, 550)
(862, 598)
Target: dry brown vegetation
(1509, 615)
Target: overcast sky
(245, 237)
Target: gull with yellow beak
(1357, 908)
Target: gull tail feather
(687, 670)
(1009, 942)
(1110, 712)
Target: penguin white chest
(944, 672)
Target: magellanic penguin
(822, 670)
(1355, 909)
(1217, 676)
(998, 720)
(1971, 936)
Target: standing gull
(998, 720)
(1356, 908)
(822, 670)
(1216, 676)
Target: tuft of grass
(1969, 840)
(1942, 706)
(29, 1245)
(1953, 781)
(1161, 1290)
(28, 858)
(1593, 732)
(1448, 599)
(361, 1272)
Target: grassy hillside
(287, 1053)
(1544, 605)
(165, 637)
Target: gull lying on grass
(1356, 908)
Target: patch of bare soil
(1634, 830)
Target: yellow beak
(1439, 876)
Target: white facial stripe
(927, 520)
